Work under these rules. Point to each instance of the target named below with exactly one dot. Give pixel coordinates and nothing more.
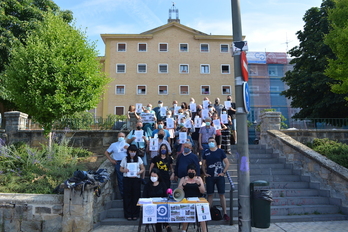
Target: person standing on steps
(115, 154)
(132, 167)
(214, 166)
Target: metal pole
(244, 223)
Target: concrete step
(304, 209)
(275, 178)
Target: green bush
(335, 151)
(31, 170)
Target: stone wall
(96, 141)
(56, 212)
(307, 136)
(31, 212)
(329, 174)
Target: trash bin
(260, 202)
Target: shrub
(335, 151)
(31, 170)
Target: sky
(269, 25)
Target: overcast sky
(269, 25)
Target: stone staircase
(295, 198)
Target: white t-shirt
(124, 164)
(117, 150)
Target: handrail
(232, 188)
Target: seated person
(193, 186)
(156, 188)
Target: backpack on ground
(215, 213)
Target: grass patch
(38, 170)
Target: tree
(309, 87)
(54, 73)
(17, 17)
(337, 39)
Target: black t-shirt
(155, 191)
(163, 165)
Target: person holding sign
(164, 163)
(117, 151)
(132, 117)
(140, 139)
(226, 134)
(132, 167)
(161, 140)
(205, 133)
(231, 111)
(219, 126)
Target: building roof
(149, 34)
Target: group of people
(195, 137)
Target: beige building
(170, 62)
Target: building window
(183, 47)
(141, 68)
(204, 47)
(163, 68)
(272, 71)
(120, 68)
(141, 89)
(184, 68)
(184, 89)
(119, 110)
(226, 89)
(225, 69)
(120, 89)
(253, 71)
(163, 47)
(205, 89)
(121, 47)
(205, 68)
(162, 89)
(274, 88)
(224, 48)
(142, 47)
(254, 88)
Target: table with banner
(161, 210)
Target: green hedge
(335, 151)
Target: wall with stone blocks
(289, 145)
(30, 212)
(307, 136)
(67, 212)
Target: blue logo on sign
(162, 213)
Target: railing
(83, 124)
(232, 188)
(319, 123)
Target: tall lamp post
(244, 221)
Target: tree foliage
(54, 73)
(337, 39)
(17, 18)
(309, 87)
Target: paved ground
(327, 226)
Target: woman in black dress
(193, 186)
(156, 188)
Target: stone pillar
(269, 121)
(78, 210)
(15, 121)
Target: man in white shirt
(115, 153)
